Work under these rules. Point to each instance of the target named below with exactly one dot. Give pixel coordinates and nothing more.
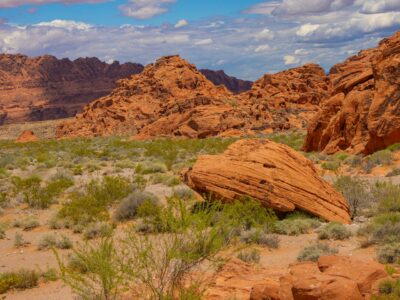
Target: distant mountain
(233, 84)
(44, 88)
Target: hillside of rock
(233, 84)
(293, 96)
(169, 98)
(44, 88)
(363, 114)
(172, 98)
(271, 173)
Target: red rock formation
(293, 96)
(363, 114)
(272, 173)
(331, 278)
(172, 98)
(44, 88)
(231, 83)
(26, 137)
(169, 98)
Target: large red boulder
(273, 174)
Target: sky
(246, 38)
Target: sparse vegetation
(334, 231)
(20, 280)
(250, 256)
(313, 252)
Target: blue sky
(247, 38)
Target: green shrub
(383, 157)
(250, 256)
(127, 208)
(390, 289)
(331, 165)
(150, 168)
(97, 230)
(395, 172)
(313, 252)
(296, 226)
(294, 140)
(334, 231)
(356, 193)
(64, 242)
(26, 223)
(19, 240)
(389, 253)
(47, 241)
(109, 190)
(394, 147)
(20, 280)
(259, 237)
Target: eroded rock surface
(331, 278)
(363, 114)
(44, 88)
(272, 173)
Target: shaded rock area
(363, 114)
(274, 174)
(27, 136)
(331, 278)
(233, 84)
(45, 88)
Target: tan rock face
(274, 174)
(27, 136)
(362, 116)
(331, 278)
(43, 88)
(172, 98)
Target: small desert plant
(260, 238)
(313, 252)
(127, 208)
(19, 240)
(96, 273)
(389, 253)
(250, 256)
(19, 280)
(47, 241)
(334, 231)
(97, 230)
(27, 223)
(296, 226)
(64, 242)
(331, 165)
(150, 168)
(356, 193)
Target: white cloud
(70, 25)
(262, 48)
(264, 34)
(379, 6)
(16, 3)
(301, 52)
(307, 29)
(204, 42)
(290, 60)
(181, 23)
(145, 9)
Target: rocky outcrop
(169, 98)
(43, 88)
(274, 174)
(26, 137)
(363, 114)
(293, 96)
(331, 278)
(172, 98)
(233, 84)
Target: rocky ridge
(44, 87)
(172, 98)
